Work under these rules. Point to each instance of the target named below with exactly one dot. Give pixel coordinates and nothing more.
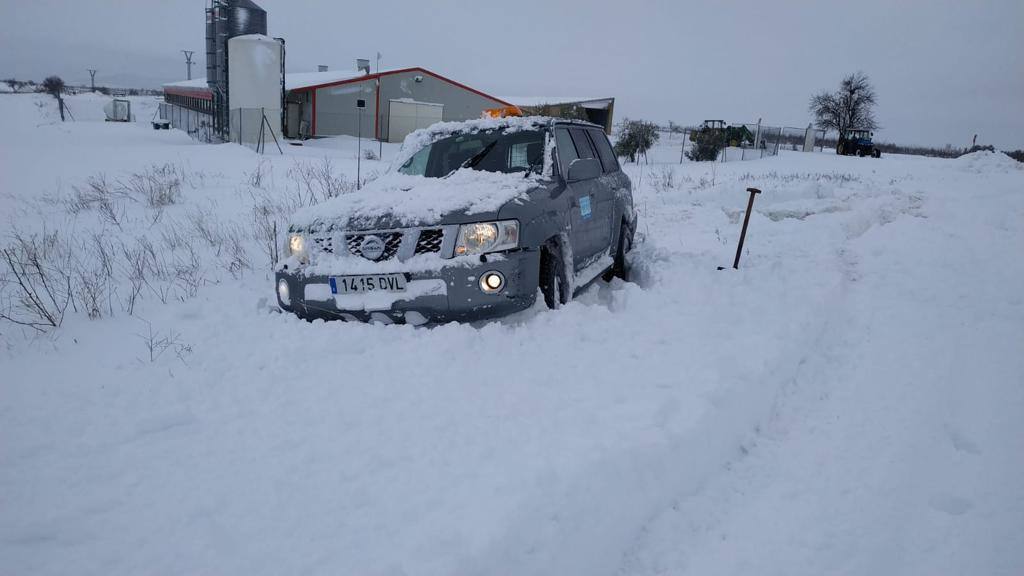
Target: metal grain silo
(245, 17)
(226, 19)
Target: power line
(92, 78)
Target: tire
(841, 149)
(620, 267)
(876, 153)
(860, 152)
(553, 283)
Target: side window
(566, 149)
(604, 150)
(417, 165)
(518, 155)
(583, 146)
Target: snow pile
(984, 161)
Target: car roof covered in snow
(418, 139)
(536, 101)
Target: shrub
(1017, 155)
(706, 145)
(157, 186)
(636, 138)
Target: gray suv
(471, 222)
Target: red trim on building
(313, 130)
(202, 93)
(376, 116)
(402, 71)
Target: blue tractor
(857, 142)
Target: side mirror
(583, 169)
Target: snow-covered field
(849, 402)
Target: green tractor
(728, 135)
(857, 142)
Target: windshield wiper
(475, 158)
(538, 163)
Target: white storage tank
(256, 88)
(118, 110)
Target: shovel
(743, 233)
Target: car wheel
(860, 152)
(839, 150)
(876, 153)
(553, 283)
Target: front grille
(324, 244)
(392, 240)
(429, 241)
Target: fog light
(492, 282)
(282, 292)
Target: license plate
(368, 283)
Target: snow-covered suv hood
(402, 200)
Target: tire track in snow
(888, 502)
(593, 522)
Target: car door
(579, 200)
(605, 189)
(615, 180)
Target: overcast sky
(944, 70)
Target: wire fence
(748, 141)
(198, 125)
(251, 127)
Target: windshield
(491, 151)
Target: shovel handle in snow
(743, 232)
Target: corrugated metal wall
(336, 111)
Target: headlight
(283, 293)
(484, 237)
(296, 245)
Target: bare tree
(851, 107)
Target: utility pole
(380, 124)
(188, 61)
(92, 78)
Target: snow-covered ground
(848, 402)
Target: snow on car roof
(417, 139)
(586, 102)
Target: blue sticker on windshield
(585, 207)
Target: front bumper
(448, 294)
